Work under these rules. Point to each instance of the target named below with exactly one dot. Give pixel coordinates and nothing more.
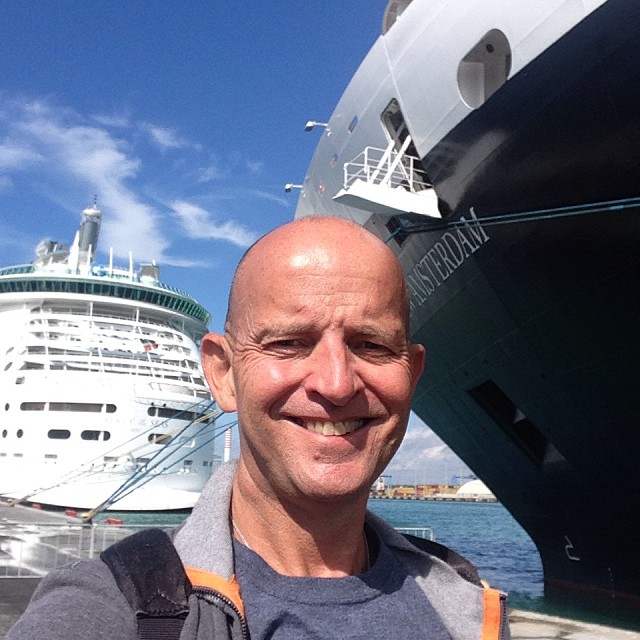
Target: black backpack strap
(150, 574)
(463, 567)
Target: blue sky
(185, 119)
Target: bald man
(317, 362)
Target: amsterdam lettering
(446, 255)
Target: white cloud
(271, 197)
(255, 166)
(120, 122)
(60, 151)
(104, 164)
(197, 223)
(210, 173)
(424, 458)
(166, 138)
(17, 157)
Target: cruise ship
(493, 144)
(103, 402)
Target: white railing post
(92, 545)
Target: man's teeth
(333, 428)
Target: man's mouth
(327, 428)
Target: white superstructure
(100, 383)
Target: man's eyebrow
(373, 330)
(278, 329)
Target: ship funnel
(89, 232)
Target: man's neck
(319, 539)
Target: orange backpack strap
(494, 608)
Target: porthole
(159, 438)
(19, 433)
(59, 434)
(484, 69)
(4, 433)
(95, 435)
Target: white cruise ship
(102, 398)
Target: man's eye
(372, 347)
(290, 344)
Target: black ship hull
(525, 293)
(533, 373)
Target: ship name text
(446, 255)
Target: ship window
(159, 438)
(19, 433)
(20, 380)
(9, 365)
(32, 406)
(111, 408)
(95, 435)
(50, 456)
(484, 69)
(59, 434)
(511, 420)
(178, 414)
(188, 463)
(75, 406)
(4, 433)
(18, 455)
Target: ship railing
(31, 551)
(388, 168)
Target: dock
(527, 625)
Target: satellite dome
(474, 488)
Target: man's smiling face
(321, 372)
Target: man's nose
(333, 373)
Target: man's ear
(417, 357)
(216, 363)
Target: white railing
(419, 532)
(388, 168)
(35, 549)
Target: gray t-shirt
(383, 603)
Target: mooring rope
(410, 227)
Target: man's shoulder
(407, 545)
(460, 564)
(79, 600)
